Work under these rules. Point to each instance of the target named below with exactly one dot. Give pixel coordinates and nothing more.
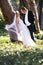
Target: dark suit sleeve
(31, 20)
(31, 17)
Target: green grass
(17, 54)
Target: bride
(22, 31)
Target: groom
(28, 19)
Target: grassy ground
(17, 54)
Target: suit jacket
(30, 19)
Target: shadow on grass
(34, 57)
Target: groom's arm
(31, 16)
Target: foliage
(2, 21)
(15, 4)
(39, 36)
(17, 54)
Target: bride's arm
(17, 24)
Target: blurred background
(16, 4)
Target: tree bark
(8, 15)
(40, 9)
(25, 3)
(7, 11)
(30, 4)
(34, 9)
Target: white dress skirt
(24, 34)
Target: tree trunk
(40, 9)
(30, 4)
(8, 15)
(35, 10)
(7, 11)
(25, 3)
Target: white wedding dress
(25, 34)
